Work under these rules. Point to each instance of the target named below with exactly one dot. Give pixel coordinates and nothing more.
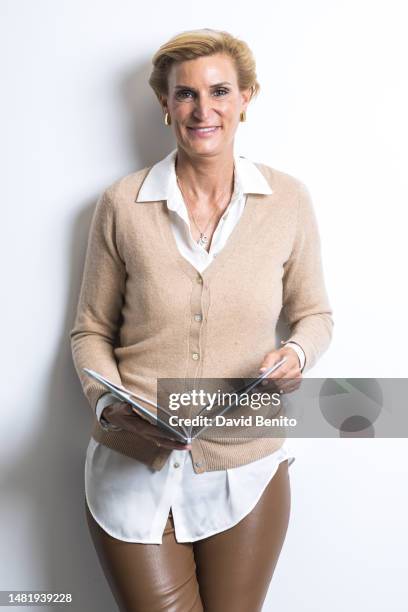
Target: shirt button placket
(176, 460)
(175, 476)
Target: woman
(189, 264)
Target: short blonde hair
(199, 43)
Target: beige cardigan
(135, 320)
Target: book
(185, 435)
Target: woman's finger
(152, 432)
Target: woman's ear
(163, 103)
(246, 96)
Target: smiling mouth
(204, 130)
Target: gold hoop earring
(167, 119)
(242, 116)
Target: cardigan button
(198, 317)
(198, 463)
(199, 280)
(195, 356)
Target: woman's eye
(186, 93)
(222, 90)
(183, 94)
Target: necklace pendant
(202, 241)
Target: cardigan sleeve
(100, 303)
(305, 302)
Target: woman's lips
(204, 132)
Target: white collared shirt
(130, 500)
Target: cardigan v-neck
(242, 227)
(158, 185)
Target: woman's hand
(288, 374)
(121, 414)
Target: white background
(77, 113)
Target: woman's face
(204, 93)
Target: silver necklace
(203, 240)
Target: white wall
(77, 113)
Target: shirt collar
(161, 184)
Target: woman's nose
(202, 109)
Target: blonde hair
(199, 43)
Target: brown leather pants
(227, 572)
